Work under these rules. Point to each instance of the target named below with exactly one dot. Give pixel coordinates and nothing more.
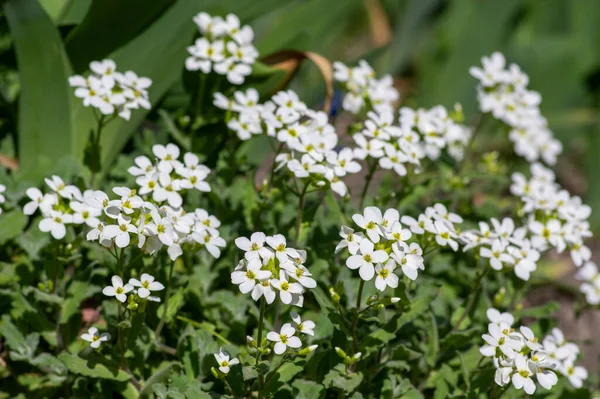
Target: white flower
(54, 222)
(370, 221)
(521, 379)
(224, 361)
(444, 236)
(286, 289)
(350, 240)
(365, 260)
(499, 338)
(254, 247)
(496, 317)
(117, 289)
(38, 200)
(284, 339)
(278, 243)
(94, 338)
(85, 214)
(213, 243)
(385, 275)
(497, 255)
(167, 156)
(305, 327)
(246, 279)
(120, 231)
(146, 284)
(575, 374)
(264, 288)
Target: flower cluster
(110, 91)
(306, 133)
(131, 220)
(149, 218)
(141, 289)
(225, 47)
(519, 356)
(553, 219)
(94, 337)
(421, 134)
(556, 219)
(289, 336)
(62, 207)
(270, 268)
(364, 91)
(435, 224)
(167, 176)
(590, 286)
(382, 247)
(503, 92)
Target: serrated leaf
(93, 366)
(159, 377)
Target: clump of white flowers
(270, 268)
(306, 138)
(151, 217)
(503, 92)
(382, 247)
(553, 219)
(420, 134)
(364, 90)
(590, 286)
(520, 357)
(110, 91)
(225, 48)
(135, 291)
(94, 337)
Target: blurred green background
(427, 45)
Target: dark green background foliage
(408, 351)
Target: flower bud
(215, 372)
(341, 353)
(307, 350)
(334, 295)
(372, 298)
(250, 341)
(394, 299)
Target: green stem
(474, 292)
(122, 342)
(164, 315)
(357, 312)
(368, 179)
(261, 319)
(230, 388)
(300, 213)
(200, 95)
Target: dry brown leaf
(289, 61)
(9, 162)
(381, 31)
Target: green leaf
(45, 133)
(109, 24)
(12, 225)
(307, 389)
(77, 292)
(284, 374)
(176, 301)
(386, 333)
(338, 378)
(94, 367)
(11, 334)
(159, 377)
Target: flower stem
(301, 198)
(230, 388)
(122, 342)
(164, 315)
(261, 319)
(357, 312)
(474, 292)
(368, 179)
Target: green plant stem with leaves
(474, 293)
(300, 213)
